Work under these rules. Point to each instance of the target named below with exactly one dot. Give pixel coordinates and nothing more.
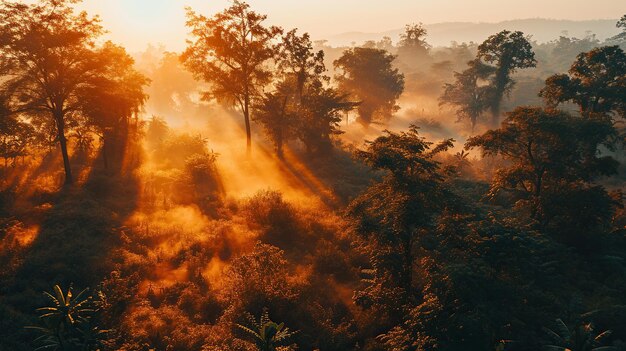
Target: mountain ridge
(443, 33)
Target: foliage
(260, 278)
(430, 254)
(172, 88)
(621, 37)
(391, 214)
(320, 115)
(67, 322)
(407, 155)
(621, 23)
(567, 48)
(302, 106)
(15, 137)
(176, 148)
(507, 51)
(157, 131)
(111, 108)
(469, 92)
(277, 114)
(368, 75)
(470, 270)
(412, 47)
(298, 60)
(267, 335)
(230, 51)
(583, 338)
(49, 52)
(596, 82)
(551, 154)
(200, 181)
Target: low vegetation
(349, 221)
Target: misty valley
(263, 189)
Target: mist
(447, 186)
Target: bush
(199, 183)
(177, 148)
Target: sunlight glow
(147, 12)
(134, 23)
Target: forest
(265, 190)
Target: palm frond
(563, 330)
(59, 297)
(267, 334)
(249, 331)
(603, 335)
(553, 335)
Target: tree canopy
(552, 155)
(388, 238)
(392, 213)
(300, 62)
(412, 47)
(368, 75)
(507, 51)
(596, 82)
(303, 104)
(51, 62)
(469, 93)
(230, 51)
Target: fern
(266, 334)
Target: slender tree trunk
(365, 117)
(279, 149)
(246, 116)
(281, 131)
(301, 81)
(495, 113)
(63, 142)
(501, 80)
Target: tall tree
(368, 75)
(314, 118)
(508, 51)
(48, 56)
(302, 106)
(277, 113)
(393, 213)
(230, 51)
(552, 156)
(109, 106)
(298, 60)
(320, 114)
(469, 92)
(412, 47)
(413, 37)
(596, 82)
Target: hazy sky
(135, 23)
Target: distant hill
(440, 34)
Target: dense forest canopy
(264, 190)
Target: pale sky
(135, 23)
